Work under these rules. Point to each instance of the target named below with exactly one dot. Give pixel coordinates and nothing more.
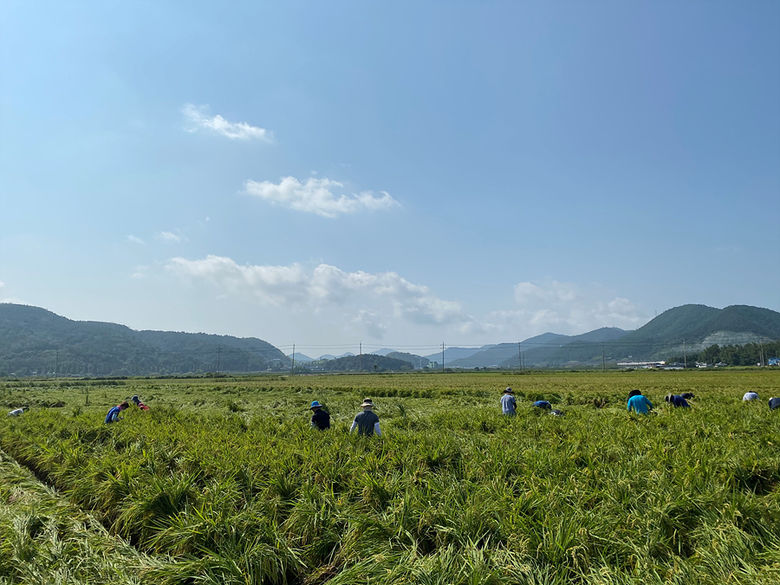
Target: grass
(45, 539)
(223, 481)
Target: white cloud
(375, 305)
(135, 240)
(371, 323)
(140, 272)
(370, 300)
(170, 237)
(198, 118)
(567, 308)
(317, 196)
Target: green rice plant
(453, 492)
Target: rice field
(223, 481)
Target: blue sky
(397, 174)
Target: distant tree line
(749, 354)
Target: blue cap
(315, 404)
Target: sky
(395, 174)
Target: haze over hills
(455, 353)
(34, 341)
(536, 350)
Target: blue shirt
(639, 404)
(542, 404)
(508, 404)
(113, 414)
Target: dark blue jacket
(320, 420)
(113, 414)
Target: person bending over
(320, 419)
(677, 400)
(138, 403)
(366, 422)
(113, 414)
(508, 402)
(638, 403)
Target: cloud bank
(317, 196)
(369, 300)
(197, 118)
(567, 308)
(381, 304)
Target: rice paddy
(223, 481)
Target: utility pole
(292, 366)
(442, 356)
(520, 355)
(56, 362)
(219, 357)
(603, 359)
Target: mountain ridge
(34, 341)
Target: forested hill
(34, 341)
(364, 363)
(687, 329)
(696, 327)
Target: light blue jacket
(508, 404)
(639, 404)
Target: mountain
(368, 362)
(384, 351)
(494, 355)
(566, 350)
(695, 327)
(36, 341)
(301, 358)
(329, 356)
(455, 353)
(681, 330)
(418, 362)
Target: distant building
(775, 361)
(641, 365)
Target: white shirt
(750, 396)
(16, 412)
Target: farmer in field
(543, 404)
(320, 419)
(774, 403)
(138, 403)
(366, 422)
(677, 400)
(688, 395)
(18, 411)
(638, 403)
(113, 414)
(750, 396)
(508, 403)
